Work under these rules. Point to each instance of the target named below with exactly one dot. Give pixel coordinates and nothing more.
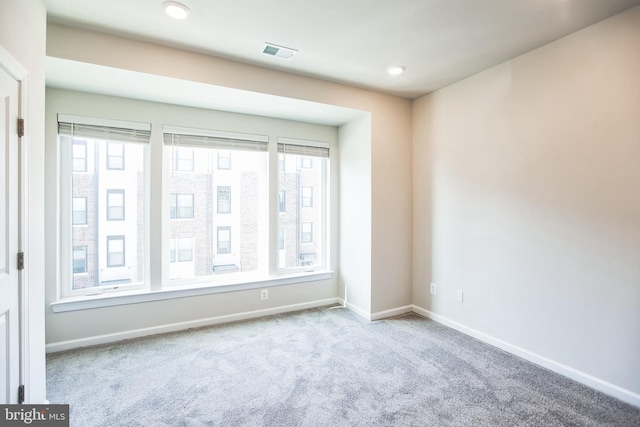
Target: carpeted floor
(322, 367)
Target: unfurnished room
(337, 213)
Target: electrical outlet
(434, 289)
(264, 294)
(459, 296)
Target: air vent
(278, 51)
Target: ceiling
(352, 41)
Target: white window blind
(105, 129)
(303, 147)
(214, 139)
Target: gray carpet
(322, 367)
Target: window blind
(303, 147)
(179, 139)
(110, 130)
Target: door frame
(9, 64)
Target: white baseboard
(357, 310)
(378, 315)
(391, 313)
(576, 375)
(172, 327)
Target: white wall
(22, 33)
(355, 203)
(390, 139)
(527, 198)
(80, 326)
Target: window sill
(145, 295)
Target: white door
(9, 275)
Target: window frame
(179, 161)
(176, 206)
(116, 238)
(220, 159)
(114, 191)
(228, 209)
(73, 211)
(308, 233)
(306, 200)
(73, 256)
(110, 156)
(186, 209)
(74, 144)
(223, 228)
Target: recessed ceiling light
(176, 10)
(396, 70)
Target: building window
(79, 156)
(79, 211)
(280, 239)
(307, 197)
(307, 259)
(115, 205)
(282, 201)
(281, 164)
(224, 160)
(307, 232)
(79, 259)
(306, 162)
(181, 250)
(224, 200)
(115, 251)
(224, 240)
(115, 155)
(181, 206)
(184, 159)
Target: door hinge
(20, 260)
(21, 394)
(20, 127)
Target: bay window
(230, 208)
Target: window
(307, 232)
(92, 195)
(306, 162)
(79, 211)
(229, 207)
(106, 189)
(115, 155)
(224, 200)
(79, 259)
(79, 156)
(115, 205)
(115, 251)
(184, 159)
(280, 239)
(224, 240)
(307, 197)
(181, 206)
(224, 160)
(304, 179)
(181, 250)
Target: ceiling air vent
(278, 51)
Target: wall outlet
(459, 296)
(434, 289)
(264, 294)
